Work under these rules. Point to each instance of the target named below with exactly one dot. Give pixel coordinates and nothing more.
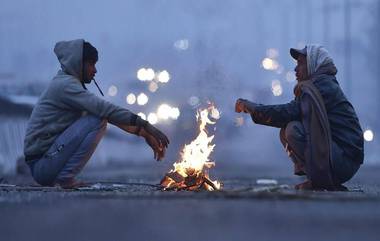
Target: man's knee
(293, 132)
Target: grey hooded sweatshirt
(65, 100)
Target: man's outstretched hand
(243, 105)
(157, 140)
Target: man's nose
(95, 70)
(295, 69)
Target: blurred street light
(270, 64)
(181, 44)
(142, 115)
(164, 111)
(368, 135)
(112, 90)
(152, 118)
(153, 86)
(131, 99)
(276, 88)
(163, 76)
(142, 99)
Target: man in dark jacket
(319, 128)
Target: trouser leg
(293, 139)
(70, 151)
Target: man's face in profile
(301, 68)
(89, 71)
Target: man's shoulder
(63, 80)
(326, 83)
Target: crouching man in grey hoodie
(68, 121)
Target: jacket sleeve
(277, 115)
(77, 98)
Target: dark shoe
(309, 186)
(70, 184)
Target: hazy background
(213, 50)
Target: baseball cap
(296, 52)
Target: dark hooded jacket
(344, 123)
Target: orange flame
(195, 160)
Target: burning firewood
(191, 172)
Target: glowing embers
(191, 171)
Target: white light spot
(142, 115)
(142, 99)
(130, 99)
(290, 77)
(141, 74)
(181, 44)
(145, 74)
(270, 64)
(276, 88)
(368, 135)
(153, 86)
(239, 121)
(272, 53)
(152, 118)
(174, 113)
(164, 111)
(193, 101)
(163, 76)
(112, 90)
(150, 74)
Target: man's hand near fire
(243, 105)
(157, 140)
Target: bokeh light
(193, 101)
(163, 76)
(290, 77)
(181, 44)
(239, 121)
(276, 88)
(152, 118)
(142, 115)
(368, 135)
(270, 64)
(145, 74)
(164, 111)
(153, 87)
(141, 74)
(112, 90)
(142, 99)
(174, 113)
(130, 99)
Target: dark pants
(293, 139)
(70, 151)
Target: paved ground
(123, 203)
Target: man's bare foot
(70, 184)
(307, 185)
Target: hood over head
(70, 56)
(319, 61)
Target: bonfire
(191, 172)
